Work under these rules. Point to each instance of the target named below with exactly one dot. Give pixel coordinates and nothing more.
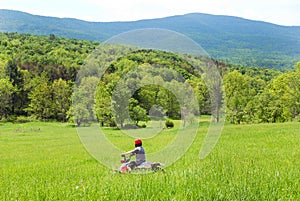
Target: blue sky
(283, 12)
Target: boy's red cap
(138, 141)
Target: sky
(282, 12)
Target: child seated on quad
(139, 153)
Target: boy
(139, 153)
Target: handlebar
(125, 159)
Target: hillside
(37, 75)
(231, 39)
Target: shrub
(143, 126)
(23, 119)
(169, 124)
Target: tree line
(38, 73)
(254, 100)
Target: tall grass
(46, 161)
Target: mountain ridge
(146, 19)
(231, 39)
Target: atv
(129, 166)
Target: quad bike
(128, 166)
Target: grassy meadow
(46, 161)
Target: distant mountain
(231, 39)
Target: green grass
(46, 161)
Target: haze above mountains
(231, 39)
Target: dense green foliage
(231, 39)
(39, 72)
(245, 89)
(57, 57)
(251, 99)
(162, 71)
(46, 161)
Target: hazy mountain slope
(232, 39)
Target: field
(46, 161)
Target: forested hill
(231, 39)
(37, 76)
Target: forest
(38, 75)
